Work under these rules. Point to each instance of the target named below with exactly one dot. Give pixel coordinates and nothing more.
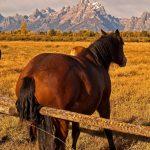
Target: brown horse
(76, 83)
(76, 50)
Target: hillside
(87, 14)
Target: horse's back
(47, 61)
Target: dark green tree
(23, 28)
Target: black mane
(100, 50)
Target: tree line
(56, 35)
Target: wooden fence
(7, 107)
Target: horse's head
(116, 52)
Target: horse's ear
(117, 32)
(103, 32)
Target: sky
(117, 8)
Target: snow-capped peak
(48, 10)
(96, 5)
(84, 1)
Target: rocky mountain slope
(85, 15)
(137, 24)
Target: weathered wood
(97, 122)
(6, 107)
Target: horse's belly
(86, 106)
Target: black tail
(28, 109)
(46, 133)
(26, 104)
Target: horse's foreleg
(104, 112)
(75, 134)
(61, 134)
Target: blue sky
(118, 8)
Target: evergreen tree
(23, 28)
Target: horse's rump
(64, 82)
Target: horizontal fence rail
(6, 107)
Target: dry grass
(130, 99)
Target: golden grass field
(130, 98)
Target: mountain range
(85, 15)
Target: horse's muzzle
(124, 62)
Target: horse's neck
(98, 55)
(89, 56)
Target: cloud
(11, 7)
(126, 8)
(118, 8)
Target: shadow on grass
(123, 141)
(4, 139)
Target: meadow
(130, 98)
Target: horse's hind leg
(104, 112)
(75, 134)
(32, 133)
(61, 133)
